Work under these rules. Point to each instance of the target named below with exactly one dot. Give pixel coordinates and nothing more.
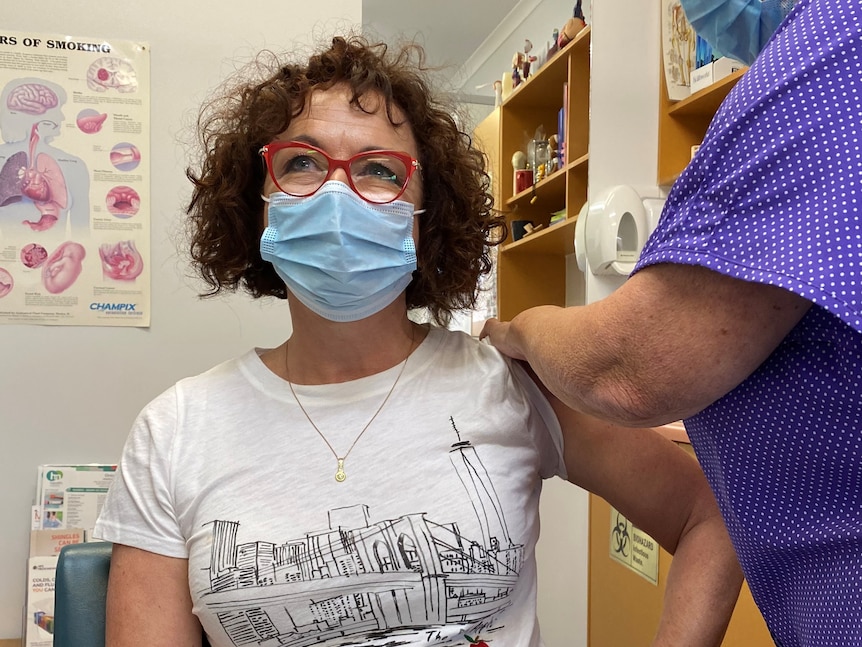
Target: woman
(370, 481)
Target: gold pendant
(340, 475)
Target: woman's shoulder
(228, 374)
(460, 350)
(458, 341)
(226, 370)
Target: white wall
(70, 394)
(624, 86)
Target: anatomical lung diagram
(42, 181)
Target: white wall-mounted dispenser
(612, 228)
(580, 245)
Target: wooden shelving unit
(532, 271)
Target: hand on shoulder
(499, 335)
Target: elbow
(631, 403)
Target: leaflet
(39, 611)
(71, 496)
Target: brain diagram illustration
(111, 73)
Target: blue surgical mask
(344, 258)
(739, 29)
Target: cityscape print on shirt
(399, 581)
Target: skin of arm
(149, 604)
(662, 490)
(669, 342)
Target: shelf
(547, 191)
(581, 42)
(705, 102)
(666, 181)
(682, 124)
(578, 162)
(558, 239)
(549, 78)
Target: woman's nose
(340, 175)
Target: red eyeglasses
(300, 169)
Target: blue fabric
(774, 196)
(739, 29)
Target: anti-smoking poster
(74, 181)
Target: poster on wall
(74, 180)
(678, 50)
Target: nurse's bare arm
(149, 604)
(662, 490)
(665, 345)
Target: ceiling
(451, 31)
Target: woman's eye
(380, 170)
(301, 164)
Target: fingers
(496, 333)
(486, 329)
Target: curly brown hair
(225, 223)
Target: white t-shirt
(430, 538)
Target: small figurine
(572, 27)
(554, 162)
(498, 90)
(521, 64)
(523, 176)
(517, 62)
(528, 59)
(554, 47)
(519, 160)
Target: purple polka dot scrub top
(774, 195)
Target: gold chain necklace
(339, 473)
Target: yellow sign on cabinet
(633, 548)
